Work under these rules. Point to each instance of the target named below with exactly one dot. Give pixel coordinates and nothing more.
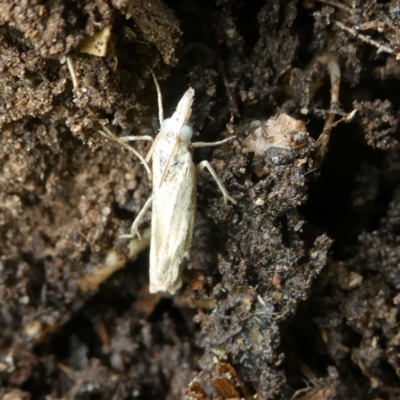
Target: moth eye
(186, 133)
(165, 123)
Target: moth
(173, 199)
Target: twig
(337, 5)
(382, 48)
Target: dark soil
(291, 293)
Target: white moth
(174, 190)
(173, 197)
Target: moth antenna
(159, 99)
(166, 167)
(150, 153)
(110, 135)
(108, 132)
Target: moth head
(186, 133)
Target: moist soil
(289, 294)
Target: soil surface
(292, 293)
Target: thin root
(71, 69)
(333, 68)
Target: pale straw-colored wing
(174, 208)
(174, 201)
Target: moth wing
(174, 208)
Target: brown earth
(291, 293)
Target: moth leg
(112, 262)
(211, 144)
(107, 132)
(110, 135)
(137, 221)
(205, 164)
(133, 138)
